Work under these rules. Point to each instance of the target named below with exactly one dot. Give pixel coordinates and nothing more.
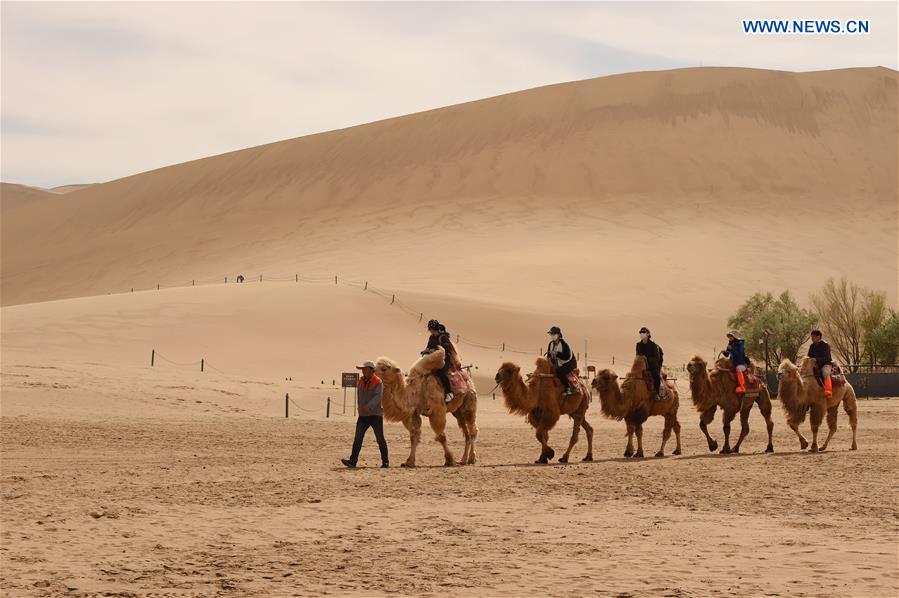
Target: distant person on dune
(736, 350)
(371, 414)
(562, 357)
(439, 337)
(654, 356)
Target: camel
(718, 389)
(541, 401)
(407, 398)
(632, 402)
(800, 393)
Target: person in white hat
(371, 414)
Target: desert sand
(661, 199)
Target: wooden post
(335, 279)
(132, 289)
(226, 280)
(157, 286)
(344, 400)
(328, 408)
(286, 404)
(504, 347)
(260, 278)
(152, 357)
(421, 316)
(202, 363)
(366, 286)
(297, 276)
(193, 283)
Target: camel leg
(815, 418)
(438, 424)
(676, 426)
(546, 452)
(704, 420)
(744, 427)
(629, 451)
(727, 417)
(413, 424)
(588, 430)
(803, 443)
(851, 408)
(666, 434)
(465, 434)
(831, 425)
(764, 403)
(638, 429)
(575, 431)
(473, 434)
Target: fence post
(286, 404)
(328, 408)
(226, 280)
(260, 278)
(202, 363)
(157, 286)
(152, 357)
(297, 276)
(132, 289)
(504, 347)
(193, 283)
(392, 299)
(335, 279)
(420, 316)
(366, 286)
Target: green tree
(786, 323)
(882, 344)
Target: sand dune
(632, 194)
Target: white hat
(367, 364)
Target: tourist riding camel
(654, 355)
(439, 337)
(736, 350)
(562, 357)
(820, 351)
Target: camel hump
(428, 363)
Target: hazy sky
(96, 91)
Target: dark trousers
(656, 373)
(563, 370)
(376, 423)
(443, 375)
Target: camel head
(507, 372)
(697, 366)
(787, 369)
(388, 370)
(604, 380)
(807, 366)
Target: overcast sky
(97, 91)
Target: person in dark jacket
(654, 356)
(439, 337)
(820, 350)
(371, 414)
(736, 350)
(562, 357)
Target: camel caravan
(438, 385)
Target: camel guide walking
(371, 414)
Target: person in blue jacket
(736, 350)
